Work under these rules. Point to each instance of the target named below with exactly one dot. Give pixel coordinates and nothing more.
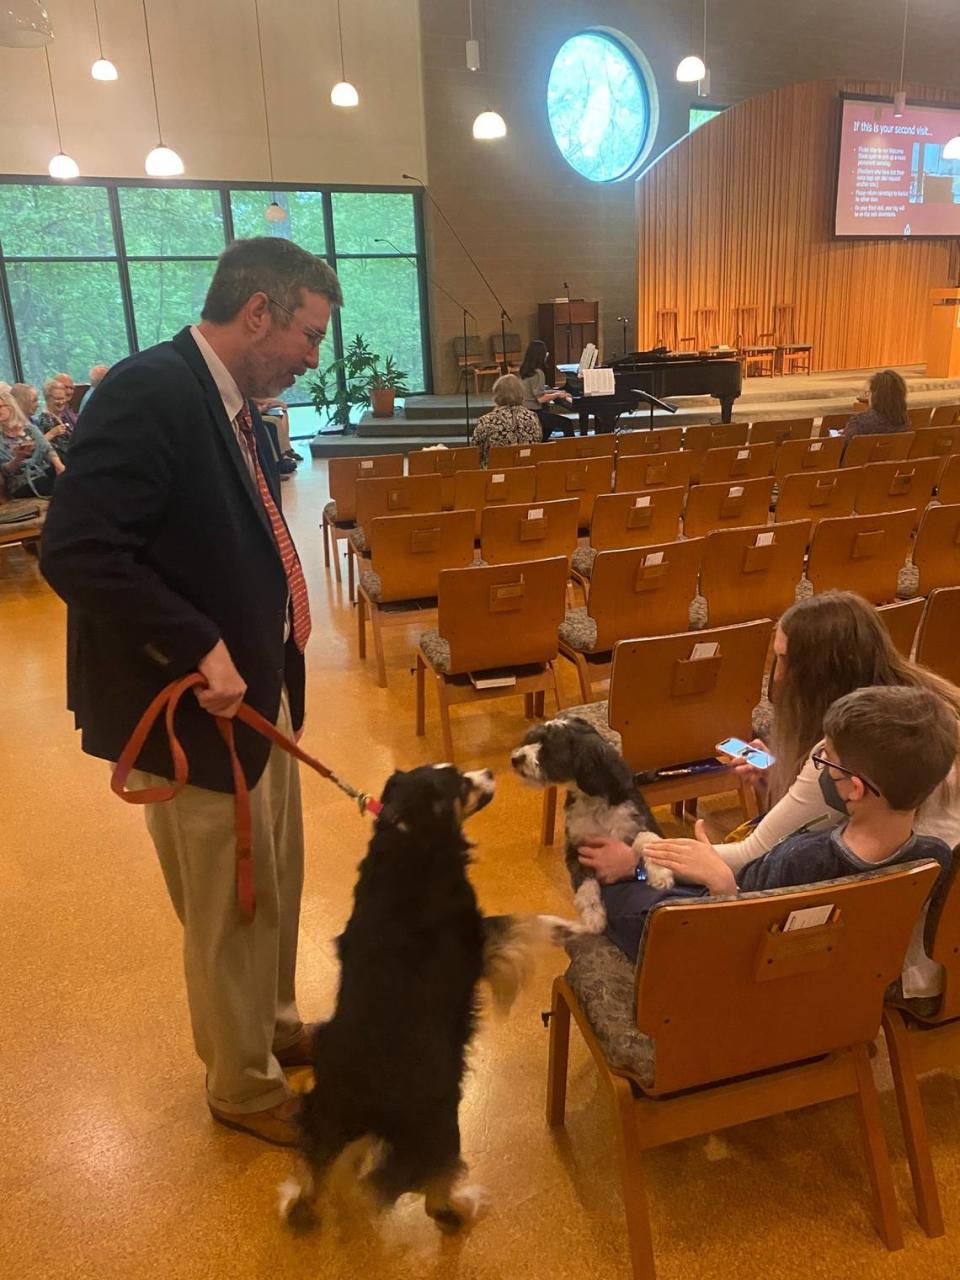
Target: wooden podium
(566, 328)
(943, 334)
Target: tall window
(92, 271)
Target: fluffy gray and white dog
(602, 800)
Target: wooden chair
(790, 352)
(935, 442)
(699, 438)
(633, 591)
(642, 471)
(388, 496)
(937, 638)
(861, 553)
(511, 352)
(936, 549)
(807, 455)
(894, 486)
(667, 329)
(835, 421)
(737, 462)
(23, 522)
(754, 348)
(495, 623)
(659, 440)
(474, 490)
(469, 357)
(732, 1017)
(502, 456)
(902, 618)
(779, 429)
(812, 495)
(948, 489)
(920, 417)
(750, 573)
(407, 554)
(340, 513)
(582, 478)
(892, 446)
(445, 463)
(528, 531)
(945, 415)
(727, 506)
(920, 1039)
(571, 448)
(706, 329)
(628, 520)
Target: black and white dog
(389, 1065)
(602, 800)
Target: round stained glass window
(598, 103)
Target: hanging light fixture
(61, 166)
(103, 68)
(24, 24)
(274, 211)
(162, 161)
(900, 98)
(489, 124)
(951, 150)
(693, 69)
(343, 94)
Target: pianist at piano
(538, 396)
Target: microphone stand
(624, 322)
(569, 359)
(411, 257)
(504, 315)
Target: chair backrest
(502, 456)
(807, 455)
(727, 506)
(636, 519)
(784, 324)
(706, 327)
(528, 531)
(945, 415)
(502, 615)
(445, 463)
(343, 474)
(659, 440)
(887, 446)
(673, 698)
(815, 494)
(948, 490)
(737, 462)
(468, 351)
(513, 345)
(727, 990)
(920, 417)
(581, 478)
(779, 429)
(408, 553)
(703, 436)
(643, 590)
(935, 442)
(944, 944)
(861, 553)
(747, 323)
(475, 490)
(668, 332)
(937, 638)
(653, 471)
(750, 573)
(901, 618)
(894, 486)
(835, 421)
(397, 495)
(936, 548)
(571, 447)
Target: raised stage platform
(427, 420)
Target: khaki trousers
(240, 977)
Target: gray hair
(49, 384)
(16, 413)
(508, 390)
(271, 265)
(98, 373)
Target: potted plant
(384, 385)
(342, 386)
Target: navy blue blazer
(158, 541)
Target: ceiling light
(900, 98)
(162, 162)
(899, 103)
(951, 150)
(103, 68)
(24, 24)
(489, 124)
(691, 69)
(343, 94)
(274, 212)
(63, 166)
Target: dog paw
(658, 877)
(297, 1212)
(590, 908)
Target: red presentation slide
(894, 179)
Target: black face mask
(828, 789)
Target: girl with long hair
(537, 396)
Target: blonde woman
(508, 422)
(54, 421)
(888, 407)
(28, 463)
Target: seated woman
(70, 415)
(537, 396)
(53, 421)
(888, 407)
(27, 398)
(509, 422)
(28, 463)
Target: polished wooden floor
(111, 1165)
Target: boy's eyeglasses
(821, 762)
(313, 336)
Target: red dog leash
(166, 703)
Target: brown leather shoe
(300, 1053)
(276, 1125)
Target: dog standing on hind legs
(389, 1065)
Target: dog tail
(509, 946)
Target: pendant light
(103, 68)
(489, 124)
(162, 162)
(951, 150)
(61, 166)
(274, 211)
(900, 98)
(343, 94)
(24, 24)
(693, 69)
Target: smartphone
(743, 751)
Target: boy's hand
(609, 860)
(692, 860)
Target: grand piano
(661, 374)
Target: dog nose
(516, 756)
(488, 774)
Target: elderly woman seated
(508, 422)
(28, 398)
(28, 463)
(55, 421)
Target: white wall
(208, 85)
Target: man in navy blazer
(167, 543)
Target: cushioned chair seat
(578, 630)
(437, 650)
(908, 580)
(371, 583)
(330, 512)
(595, 713)
(358, 539)
(582, 561)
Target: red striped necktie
(299, 603)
